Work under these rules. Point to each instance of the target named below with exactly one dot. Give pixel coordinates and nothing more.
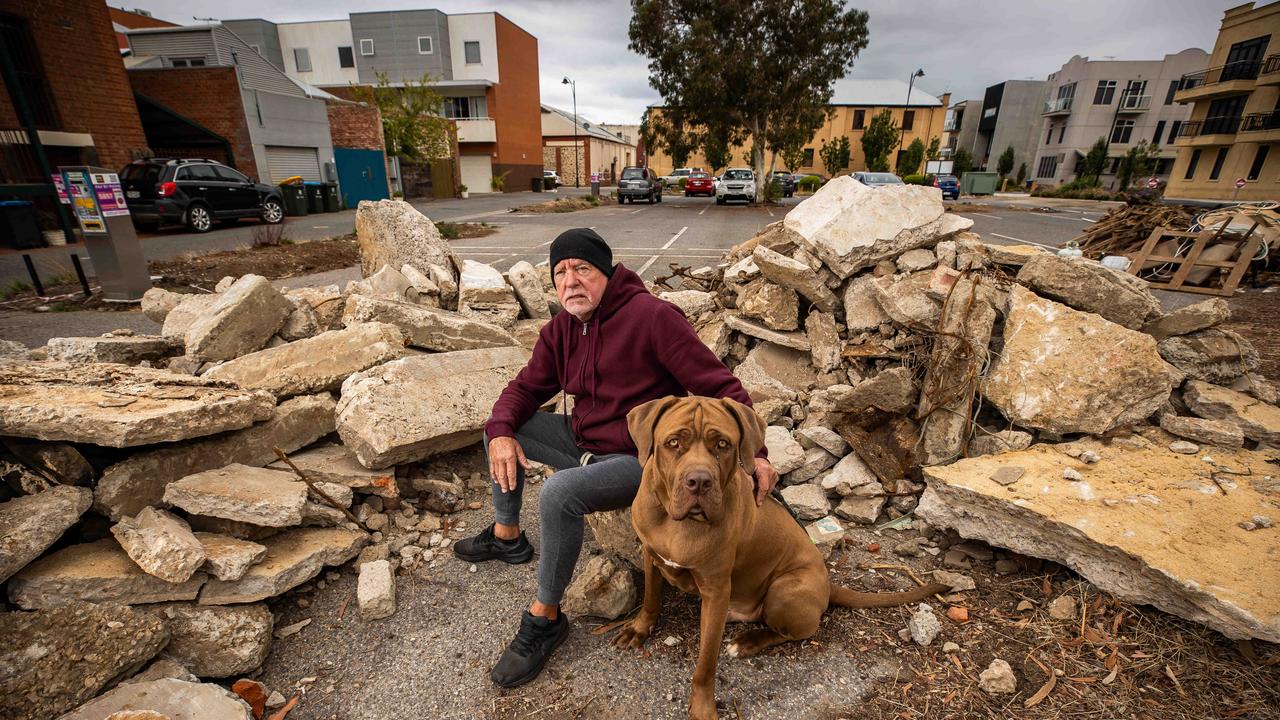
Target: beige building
(599, 151)
(853, 104)
(1234, 113)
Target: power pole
(577, 172)
(903, 136)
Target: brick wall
(355, 126)
(76, 46)
(515, 106)
(209, 96)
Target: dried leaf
(1115, 672)
(1046, 586)
(1043, 692)
(283, 712)
(1083, 679)
(950, 696)
(956, 661)
(1115, 623)
(1111, 659)
(1169, 672)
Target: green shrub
(1078, 189)
(773, 191)
(809, 183)
(683, 183)
(918, 179)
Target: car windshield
(681, 172)
(881, 179)
(141, 173)
(737, 175)
(698, 176)
(946, 178)
(633, 174)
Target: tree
(715, 148)
(793, 157)
(1091, 167)
(669, 131)
(835, 154)
(1139, 162)
(878, 140)
(961, 162)
(1004, 165)
(1022, 174)
(758, 62)
(912, 158)
(935, 148)
(413, 125)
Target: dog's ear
(643, 420)
(752, 429)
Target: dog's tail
(844, 597)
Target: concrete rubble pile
(145, 517)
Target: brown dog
(696, 517)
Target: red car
(699, 183)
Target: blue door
(362, 175)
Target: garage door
(284, 162)
(476, 171)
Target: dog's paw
(632, 635)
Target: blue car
(949, 186)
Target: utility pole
(1114, 116)
(577, 173)
(902, 138)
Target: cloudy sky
(962, 46)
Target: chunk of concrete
(428, 291)
(862, 509)
(216, 641)
(777, 307)
(794, 340)
(807, 501)
(1210, 432)
(1188, 319)
(129, 350)
(387, 283)
(615, 534)
(303, 322)
(850, 476)
(989, 443)
(336, 464)
(30, 524)
(1146, 526)
(167, 697)
(229, 558)
(425, 327)
(862, 311)
(1218, 356)
(795, 275)
(56, 658)
(326, 302)
(241, 493)
(893, 391)
(161, 544)
(293, 557)
(415, 407)
(527, 284)
(691, 302)
(906, 300)
(1257, 420)
(784, 452)
(315, 364)
(822, 437)
(97, 572)
(59, 460)
(916, 260)
(605, 588)
(240, 321)
(190, 308)
(816, 460)
(485, 295)
(1092, 287)
(1013, 255)
(376, 590)
(138, 481)
(119, 405)
(825, 345)
(157, 302)
(393, 232)
(1067, 371)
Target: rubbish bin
(18, 224)
(315, 197)
(979, 183)
(295, 199)
(331, 201)
(537, 184)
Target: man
(614, 347)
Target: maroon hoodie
(635, 348)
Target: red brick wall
(134, 21)
(514, 105)
(210, 96)
(81, 60)
(355, 126)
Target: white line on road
(319, 227)
(993, 217)
(704, 209)
(1029, 242)
(670, 242)
(1055, 217)
(477, 216)
(633, 212)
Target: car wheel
(688, 194)
(659, 197)
(272, 211)
(621, 200)
(719, 201)
(653, 198)
(199, 219)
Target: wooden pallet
(1185, 263)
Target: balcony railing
(1271, 65)
(1224, 125)
(1135, 103)
(950, 126)
(1261, 121)
(1239, 70)
(1058, 105)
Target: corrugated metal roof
(880, 92)
(585, 126)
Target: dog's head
(695, 448)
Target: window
(1245, 58)
(229, 175)
(471, 50)
(1173, 130)
(1217, 163)
(1191, 165)
(1173, 88)
(1155, 139)
(1067, 91)
(15, 33)
(346, 58)
(808, 158)
(1048, 167)
(424, 45)
(908, 120)
(1062, 132)
(1049, 135)
(859, 119)
(463, 108)
(1122, 131)
(366, 46)
(1105, 93)
(1259, 159)
(302, 59)
(182, 62)
(197, 172)
(1135, 88)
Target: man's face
(579, 285)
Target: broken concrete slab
(59, 460)
(1067, 371)
(742, 271)
(861, 509)
(331, 463)
(138, 481)
(527, 284)
(161, 544)
(293, 557)
(989, 443)
(393, 232)
(795, 275)
(825, 345)
(784, 452)
(216, 641)
(815, 461)
(54, 659)
(240, 321)
(167, 697)
(615, 534)
(776, 306)
(428, 291)
(892, 391)
(30, 524)
(315, 364)
(1090, 286)
(605, 588)
(97, 572)
(794, 340)
(241, 493)
(1210, 432)
(129, 350)
(862, 311)
(387, 283)
(1189, 319)
(415, 407)
(850, 476)
(485, 295)
(1216, 355)
(906, 300)
(1257, 420)
(425, 327)
(157, 302)
(327, 302)
(916, 260)
(717, 336)
(376, 590)
(119, 405)
(229, 558)
(303, 322)
(807, 501)
(190, 308)
(1013, 255)
(691, 302)
(822, 437)
(1145, 525)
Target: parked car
(550, 180)
(737, 183)
(699, 183)
(678, 174)
(639, 182)
(876, 179)
(787, 180)
(196, 193)
(949, 185)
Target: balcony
(1210, 131)
(1230, 79)
(1134, 103)
(950, 125)
(1061, 106)
(1262, 127)
(477, 130)
(1270, 73)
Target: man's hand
(504, 453)
(766, 478)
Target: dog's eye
(722, 443)
(673, 443)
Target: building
(1121, 101)
(1233, 100)
(485, 66)
(125, 20)
(598, 150)
(853, 104)
(1009, 118)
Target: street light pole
(902, 138)
(577, 173)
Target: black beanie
(583, 244)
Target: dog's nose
(698, 482)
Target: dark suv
(637, 183)
(196, 193)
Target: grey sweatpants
(609, 482)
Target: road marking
(633, 212)
(1055, 217)
(704, 209)
(476, 216)
(993, 217)
(319, 227)
(670, 242)
(1029, 242)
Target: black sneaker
(528, 652)
(487, 546)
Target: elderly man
(614, 347)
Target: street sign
(1239, 183)
(1153, 183)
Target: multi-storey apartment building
(1234, 105)
(484, 65)
(1122, 101)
